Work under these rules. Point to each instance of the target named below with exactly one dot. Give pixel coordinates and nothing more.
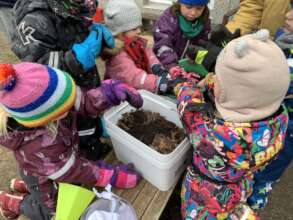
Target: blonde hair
(52, 127)
(3, 122)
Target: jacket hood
(251, 145)
(23, 7)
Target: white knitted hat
(122, 15)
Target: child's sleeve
(12, 141)
(248, 17)
(122, 67)
(196, 117)
(163, 42)
(191, 107)
(90, 103)
(153, 60)
(35, 42)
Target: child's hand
(108, 38)
(122, 176)
(206, 80)
(87, 51)
(220, 35)
(115, 91)
(178, 71)
(166, 84)
(159, 70)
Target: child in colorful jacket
(135, 64)
(40, 106)
(183, 24)
(273, 172)
(234, 133)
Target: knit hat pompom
(35, 94)
(252, 77)
(122, 16)
(7, 77)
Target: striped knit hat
(35, 94)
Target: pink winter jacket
(122, 67)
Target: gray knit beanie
(122, 15)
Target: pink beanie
(35, 94)
(253, 78)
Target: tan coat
(257, 14)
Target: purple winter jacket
(58, 159)
(169, 41)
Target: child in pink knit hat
(39, 107)
(236, 124)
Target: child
(184, 23)
(244, 132)
(61, 35)
(272, 173)
(39, 109)
(135, 64)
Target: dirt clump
(152, 129)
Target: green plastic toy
(72, 201)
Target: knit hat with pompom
(35, 94)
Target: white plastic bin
(162, 170)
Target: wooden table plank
(131, 194)
(143, 199)
(157, 205)
(147, 200)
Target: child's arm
(197, 117)
(36, 42)
(163, 42)
(153, 60)
(191, 105)
(12, 141)
(110, 93)
(122, 67)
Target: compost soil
(152, 129)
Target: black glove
(166, 85)
(220, 35)
(159, 70)
(209, 60)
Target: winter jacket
(225, 154)
(41, 155)
(257, 14)
(169, 41)
(45, 34)
(7, 3)
(122, 67)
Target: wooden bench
(148, 201)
